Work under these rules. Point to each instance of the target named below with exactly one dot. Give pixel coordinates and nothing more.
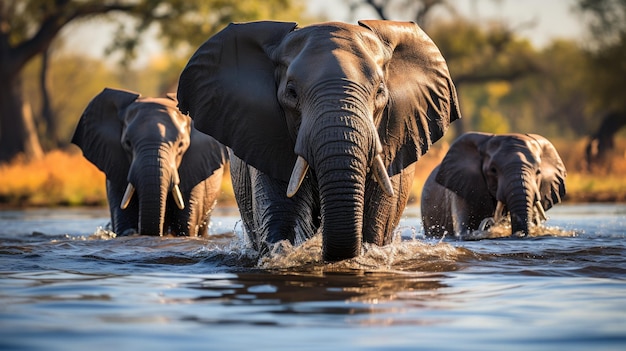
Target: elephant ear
(99, 132)
(228, 88)
(203, 157)
(422, 98)
(553, 173)
(461, 168)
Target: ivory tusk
(379, 145)
(178, 197)
(380, 174)
(499, 214)
(297, 176)
(540, 211)
(128, 194)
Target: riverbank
(66, 178)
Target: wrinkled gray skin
(521, 172)
(348, 100)
(149, 144)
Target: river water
(68, 284)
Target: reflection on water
(68, 284)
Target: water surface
(68, 284)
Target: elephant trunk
(341, 152)
(342, 215)
(153, 181)
(342, 188)
(520, 199)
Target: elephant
(489, 176)
(325, 123)
(146, 146)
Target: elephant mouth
(130, 191)
(301, 167)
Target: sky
(550, 18)
(541, 21)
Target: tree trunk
(17, 130)
(47, 114)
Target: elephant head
(521, 174)
(343, 101)
(145, 146)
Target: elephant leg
(195, 218)
(123, 222)
(240, 178)
(444, 213)
(276, 217)
(436, 208)
(383, 212)
(459, 214)
(175, 220)
(206, 198)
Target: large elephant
(145, 145)
(311, 115)
(485, 175)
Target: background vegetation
(563, 90)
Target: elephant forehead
(159, 111)
(514, 146)
(158, 122)
(522, 141)
(159, 101)
(333, 37)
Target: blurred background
(554, 68)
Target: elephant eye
(493, 170)
(290, 91)
(127, 145)
(381, 95)
(181, 147)
(381, 89)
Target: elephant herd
(322, 127)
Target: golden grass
(66, 178)
(59, 178)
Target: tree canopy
(28, 27)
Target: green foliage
(606, 20)
(73, 81)
(490, 119)
(182, 25)
(557, 91)
(554, 102)
(484, 62)
(480, 54)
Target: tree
(606, 20)
(28, 27)
(412, 10)
(553, 103)
(73, 80)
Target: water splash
(400, 255)
(502, 229)
(102, 233)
